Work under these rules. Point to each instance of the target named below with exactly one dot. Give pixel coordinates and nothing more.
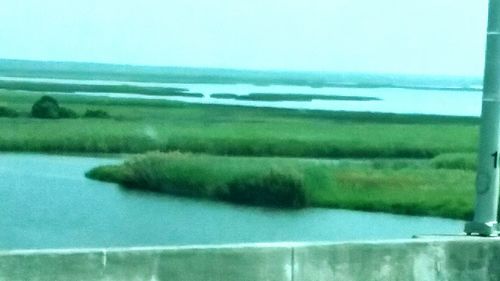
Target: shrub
(458, 161)
(8, 112)
(97, 113)
(67, 113)
(46, 107)
(272, 188)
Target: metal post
(487, 181)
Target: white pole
(487, 181)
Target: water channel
(46, 202)
(390, 100)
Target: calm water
(48, 203)
(392, 100)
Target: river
(48, 203)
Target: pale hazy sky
(398, 36)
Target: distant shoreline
(192, 75)
(95, 82)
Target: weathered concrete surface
(431, 259)
(185, 263)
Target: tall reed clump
(204, 176)
(271, 188)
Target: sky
(445, 37)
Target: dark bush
(8, 112)
(274, 188)
(65, 112)
(48, 107)
(97, 113)
(45, 107)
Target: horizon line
(328, 72)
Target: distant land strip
(290, 97)
(72, 88)
(190, 75)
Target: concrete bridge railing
(457, 259)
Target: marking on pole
(491, 99)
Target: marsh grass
(140, 126)
(197, 176)
(275, 188)
(416, 189)
(461, 161)
(422, 191)
(96, 113)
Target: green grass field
(144, 125)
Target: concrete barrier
(453, 258)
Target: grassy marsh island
(262, 156)
(405, 187)
(72, 88)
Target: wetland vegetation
(143, 125)
(404, 187)
(409, 164)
